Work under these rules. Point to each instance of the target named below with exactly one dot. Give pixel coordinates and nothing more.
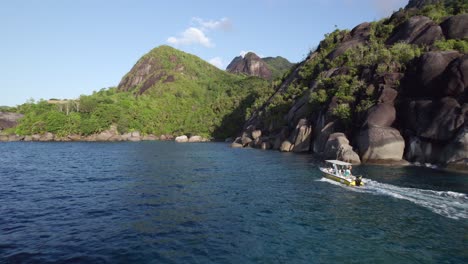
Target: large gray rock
(337, 147)
(61, 139)
(437, 120)
(116, 138)
(8, 120)
(74, 137)
(149, 71)
(236, 145)
(47, 137)
(245, 140)
(194, 139)
(257, 143)
(456, 27)
(387, 95)
(256, 134)
(346, 153)
(322, 135)
(300, 109)
(286, 146)
(181, 139)
(135, 136)
(454, 81)
(280, 137)
(250, 64)
(380, 144)
(302, 136)
(425, 81)
(358, 36)
(383, 114)
(104, 136)
(149, 137)
(13, 138)
(90, 138)
(455, 154)
(334, 142)
(423, 150)
(417, 30)
(277, 143)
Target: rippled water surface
(162, 202)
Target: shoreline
(104, 136)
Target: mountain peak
(251, 55)
(267, 68)
(165, 64)
(250, 64)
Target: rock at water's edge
(380, 144)
(181, 139)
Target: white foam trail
(447, 203)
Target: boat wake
(446, 203)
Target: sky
(65, 48)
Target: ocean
(164, 202)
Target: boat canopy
(338, 162)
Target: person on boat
(347, 172)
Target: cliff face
(251, 65)
(267, 68)
(387, 91)
(8, 120)
(165, 66)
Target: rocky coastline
(417, 109)
(110, 135)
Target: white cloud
(223, 24)
(197, 34)
(191, 36)
(217, 61)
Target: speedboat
(336, 170)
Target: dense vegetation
(277, 65)
(199, 99)
(352, 94)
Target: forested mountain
(385, 91)
(167, 92)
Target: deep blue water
(163, 202)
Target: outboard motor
(358, 180)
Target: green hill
(278, 65)
(167, 92)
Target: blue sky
(64, 48)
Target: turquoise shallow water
(162, 202)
